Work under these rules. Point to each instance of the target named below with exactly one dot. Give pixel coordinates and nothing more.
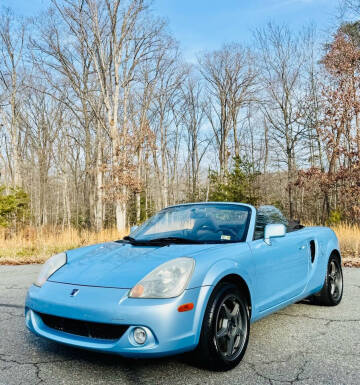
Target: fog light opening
(140, 336)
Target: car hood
(118, 265)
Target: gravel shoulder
(302, 344)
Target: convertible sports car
(193, 277)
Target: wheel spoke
(332, 288)
(240, 331)
(235, 311)
(239, 322)
(237, 341)
(227, 312)
(338, 278)
(336, 291)
(333, 271)
(230, 345)
(222, 332)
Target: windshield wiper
(162, 241)
(129, 239)
(178, 240)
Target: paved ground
(301, 344)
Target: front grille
(84, 328)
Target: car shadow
(132, 367)
(308, 302)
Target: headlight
(50, 266)
(166, 281)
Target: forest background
(103, 122)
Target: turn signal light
(137, 291)
(186, 307)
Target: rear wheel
(332, 291)
(225, 330)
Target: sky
(206, 24)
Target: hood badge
(74, 293)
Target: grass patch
(349, 238)
(33, 245)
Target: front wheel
(332, 291)
(225, 330)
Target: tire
(332, 291)
(225, 329)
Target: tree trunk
(14, 132)
(164, 167)
(98, 219)
(290, 182)
(120, 211)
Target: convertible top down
(192, 277)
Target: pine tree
(237, 185)
(14, 207)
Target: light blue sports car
(193, 277)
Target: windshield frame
(132, 238)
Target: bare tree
(43, 122)
(12, 40)
(281, 60)
(166, 95)
(116, 43)
(230, 82)
(66, 56)
(193, 114)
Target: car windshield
(195, 223)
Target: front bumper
(168, 331)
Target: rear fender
(332, 244)
(327, 242)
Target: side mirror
(133, 228)
(272, 231)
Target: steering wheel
(231, 231)
(208, 227)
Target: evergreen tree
(14, 207)
(237, 185)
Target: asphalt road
(302, 344)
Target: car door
(281, 267)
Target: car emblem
(74, 292)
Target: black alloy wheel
(332, 291)
(225, 330)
